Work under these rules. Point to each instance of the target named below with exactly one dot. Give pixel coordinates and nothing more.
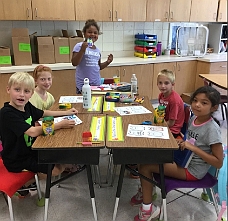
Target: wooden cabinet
(222, 11)
(15, 10)
(204, 10)
(184, 76)
(129, 10)
(100, 10)
(168, 10)
(53, 10)
(109, 72)
(144, 74)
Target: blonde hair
(39, 69)
(169, 74)
(22, 78)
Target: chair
(11, 182)
(223, 100)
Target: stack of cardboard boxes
(5, 57)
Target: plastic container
(159, 114)
(159, 48)
(86, 94)
(48, 126)
(134, 85)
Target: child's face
(44, 81)
(19, 95)
(164, 85)
(92, 33)
(201, 105)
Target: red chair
(10, 183)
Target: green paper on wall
(24, 47)
(5, 59)
(64, 50)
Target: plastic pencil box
(112, 96)
(145, 43)
(146, 37)
(126, 98)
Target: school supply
(86, 93)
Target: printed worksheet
(147, 131)
(131, 110)
(70, 99)
(71, 117)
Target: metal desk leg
(163, 209)
(118, 191)
(47, 191)
(91, 189)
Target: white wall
(117, 37)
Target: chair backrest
(188, 115)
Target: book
(183, 157)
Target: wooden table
(141, 151)
(220, 80)
(62, 148)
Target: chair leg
(38, 187)
(109, 167)
(214, 201)
(113, 174)
(98, 175)
(223, 117)
(10, 208)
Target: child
(87, 58)
(41, 98)
(18, 130)
(174, 111)
(204, 139)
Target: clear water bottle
(134, 85)
(86, 93)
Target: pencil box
(126, 98)
(112, 97)
(124, 88)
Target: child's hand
(84, 45)
(185, 144)
(71, 111)
(67, 123)
(110, 58)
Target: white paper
(147, 131)
(131, 110)
(72, 117)
(70, 99)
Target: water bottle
(86, 93)
(159, 48)
(134, 86)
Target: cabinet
(109, 72)
(15, 10)
(53, 10)
(222, 11)
(204, 10)
(168, 10)
(184, 76)
(100, 10)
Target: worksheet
(70, 99)
(131, 110)
(71, 117)
(147, 131)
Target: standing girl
(87, 57)
(204, 139)
(41, 98)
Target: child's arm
(215, 159)
(48, 113)
(77, 56)
(106, 63)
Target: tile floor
(72, 202)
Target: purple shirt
(88, 67)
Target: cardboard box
(5, 57)
(62, 49)
(73, 40)
(21, 46)
(44, 49)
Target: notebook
(183, 157)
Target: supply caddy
(145, 46)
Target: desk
(62, 148)
(220, 80)
(141, 151)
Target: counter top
(121, 61)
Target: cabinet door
(129, 10)
(109, 72)
(179, 10)
(97, 9)
(157, 11)
(144, 74)
(185, 76)
(204, 10)
(15, 10)
(222, 11)
(157, 68)
(53, 10)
